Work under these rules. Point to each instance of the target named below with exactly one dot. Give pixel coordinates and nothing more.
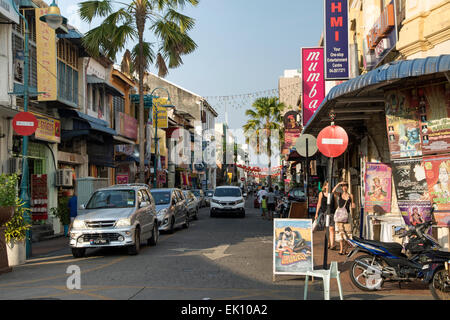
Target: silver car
(118, 216)
(193, 204)
(171, 208)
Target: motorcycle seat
(392, 247)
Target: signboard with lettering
(382, 38)
(336, 40)
(313, 81)
(48, 129)
(46, 57)
(158, 107)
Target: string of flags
(258, 172)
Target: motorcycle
(418, 259)
(283, 207)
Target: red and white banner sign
(313, 81)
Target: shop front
(397, 163)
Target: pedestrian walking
(345, 202)
(271, 200)
(261, 193)
(321, 210)
(73, 208)
(264, 207)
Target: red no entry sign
(332, 141)
(25, 123)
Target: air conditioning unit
(14, 165)
(64, 178)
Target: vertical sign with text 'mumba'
(313, 81)
(336, 40)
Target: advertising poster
(410, 180)
(292, 246)
(437, 169)
(336, 40)
(313, 81)
(434, 112)
(415, 212)
(290, 138)
(378, 186)
(160, 112)
(402, 125)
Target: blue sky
(243, 46)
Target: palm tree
(265, 117)
(128, 23)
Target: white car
(228, 200)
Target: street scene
(173, 150)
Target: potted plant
(62, 213)
(8, 194)
(16, 234)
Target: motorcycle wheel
(440, 285)
(364, 278)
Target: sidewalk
(389, 288)
(47, 247)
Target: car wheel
(78, 252)
(172, 226)
(212, 214)
(155, 235)
(196, 215)
(136, 247)
(186, 222)
(243, 214)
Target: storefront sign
(336, 40)
(46, 56)
(158, 107)
(382, 38)
(313, 82)
(94, 68)
(437, 170)
(7, 10)
(293, 249)
(49, 129)
(402, 125)
(434, 116)
(122, 179)
(410, 180)
(378, 186)
(126, 125)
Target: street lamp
(155, 120)
(54, 20)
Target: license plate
(228, 208)
(100, 241)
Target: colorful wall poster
(410, 180)
(378, 188)
(402, 122)
(437, 170)
(292, 246)
(290, 138)
(434, 112)
(415, 212)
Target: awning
(121, 140)
(89, 123)
(366, 89)
(101, 82)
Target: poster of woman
(378, 185)
(438, 177)
(414, 213)
(292, 246)
(403, 128)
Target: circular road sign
(25, 123)
(300, 145)
(332, 141)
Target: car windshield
(161, 197)
(106, 199)
(227, 192)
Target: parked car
(192, 203)
(208, 196)
(171, 208)
(200, 196)
(117, 216)
(228, 200)
(297, 195)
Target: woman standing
(322, 205)
(344, 200)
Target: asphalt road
(223, 258)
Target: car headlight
(123, 223)
(78, 224)
(240, 201)
(215, 201)
(161, 214)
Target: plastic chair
(326, 275)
